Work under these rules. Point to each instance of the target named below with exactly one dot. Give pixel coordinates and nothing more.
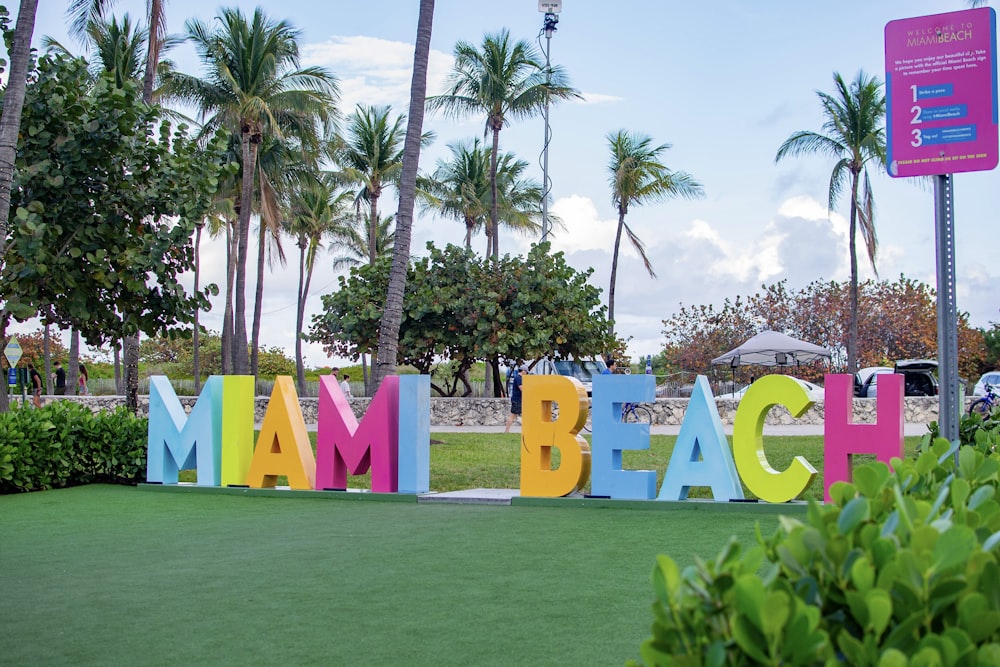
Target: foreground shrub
(900, 568)
(64, 444)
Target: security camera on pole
(551, 9)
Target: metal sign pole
(949, 410)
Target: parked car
(814, 391)
(992, 378)
(864, 380)
(919, 378)
(583, 369)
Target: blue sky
(725, 83)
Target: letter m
(178, 442)
(343, 445)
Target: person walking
(515, 397)
(345, 386)
(36, 385)
(82, 381)
(60, 379)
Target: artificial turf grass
(106, 575)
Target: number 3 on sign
(917, 140)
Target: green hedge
(901, 568)
(64, 444)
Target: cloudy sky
(724, 83)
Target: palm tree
(638, 176)
(460, 189)
(350, 240)
(115, 47)
(392, 313)
(504, 80)
(371, 155)
(281, 166)
(318, 210)
(253, 86)
(854, 135)
(84, 13)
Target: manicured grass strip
(113, 575)
(493, 460)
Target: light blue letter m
(179, 442)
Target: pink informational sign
(941, 93)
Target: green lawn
(104, 575)
(116, 575)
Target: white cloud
(373, 70)
(584, 228)
(599, 98)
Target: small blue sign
(11, 376)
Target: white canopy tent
(770, 348)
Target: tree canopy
(457, 308)
(106, 199)
(897, 320)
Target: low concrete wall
(494, 411)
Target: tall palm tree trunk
(10, 125)
(373, 231)
(73, 372)
(494, 211)
(131, 344)
(153, 52)
(118, 370)
(10, 121)
(258, 301)
(493, 242)
(47, 361)
(852, 321)
(241, 361)
(227, 317)
(614, 270)
(392, 317)
(73, 365)
(300, 314)
(197, 274)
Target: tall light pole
(551, 9)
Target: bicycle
(632, 413)
(985, 405)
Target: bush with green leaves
(901, 568)
(64, 444)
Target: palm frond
(866, 220)
(640, 248)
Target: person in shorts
(36, 385)
(515, 397)
(60, 379)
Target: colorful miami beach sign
(941, 93)
(392, 440)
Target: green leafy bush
(900, 568)
(64, 444)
